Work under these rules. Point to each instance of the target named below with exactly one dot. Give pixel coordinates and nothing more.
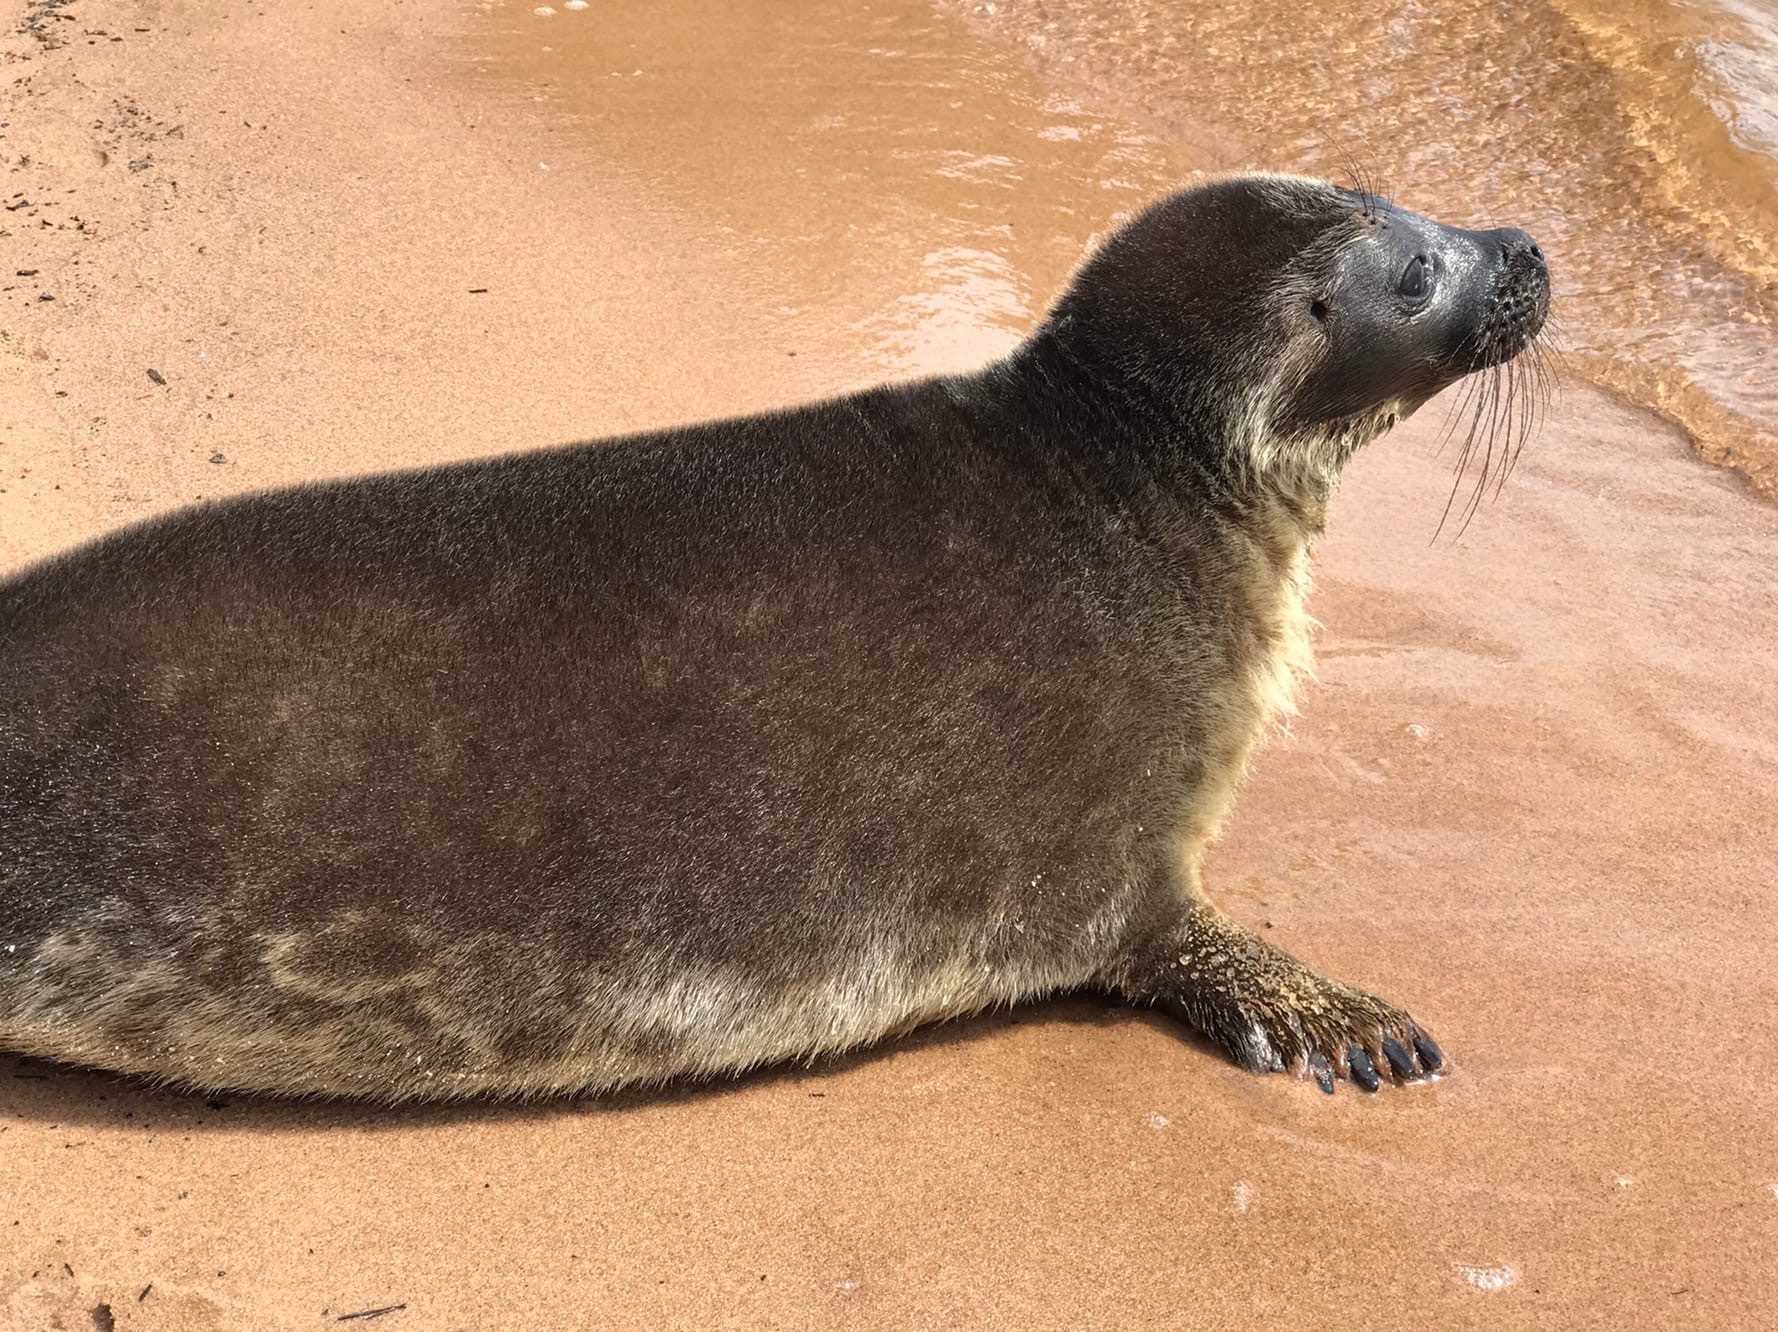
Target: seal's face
(1280, 322)
(1409, 306)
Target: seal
(684, 753)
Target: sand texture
(1531, 797)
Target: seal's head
(1281, 322)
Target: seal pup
(703, 749)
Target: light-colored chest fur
(1271, 655)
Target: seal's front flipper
(1269, 1011)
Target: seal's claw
(1270, 1013)
(1364, 1073)
(1399, 1059)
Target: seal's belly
(289, 1013)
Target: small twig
(363, 1315)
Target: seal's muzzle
(1521, 297)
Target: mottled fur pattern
(695, 751)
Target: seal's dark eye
(1415, 280)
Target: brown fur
(684, 753)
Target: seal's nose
(1514, 243)
(1509, 250)
(1521, 291)
(1516, 250)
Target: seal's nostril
(1536, 253)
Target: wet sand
(1529, 797)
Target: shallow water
(937, 169)
(922, 194)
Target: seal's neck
(1300, 468)
(1227, 452)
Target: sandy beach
(1530, 796)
